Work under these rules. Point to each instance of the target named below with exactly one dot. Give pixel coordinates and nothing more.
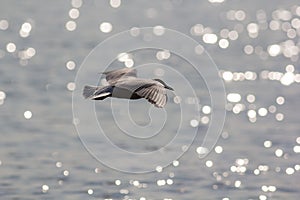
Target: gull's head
(164, 84)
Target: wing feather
(154, 94)
(114, 75)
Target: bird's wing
(114, 75)
(154, 94)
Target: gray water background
(45, 151)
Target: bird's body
(123, 83)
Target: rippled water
(256, 47)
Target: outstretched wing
(154, 94)
(114, 75)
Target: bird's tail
(97, 92)
(89, 91)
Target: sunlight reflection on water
(257, 53)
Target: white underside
(101, 95)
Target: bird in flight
(124, 83)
